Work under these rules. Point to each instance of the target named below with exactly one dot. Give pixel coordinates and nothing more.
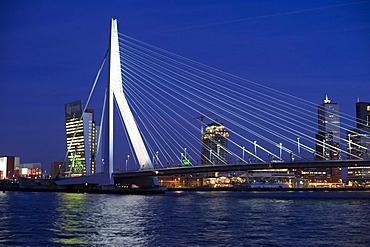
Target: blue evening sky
(50, 52)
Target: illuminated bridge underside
(241, 167)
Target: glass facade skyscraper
(358, 145)
(327, 144)
(81, 139)
(328, 135)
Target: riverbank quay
(47, 186)
(14, 186)
(269, 189)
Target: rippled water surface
(186, 219)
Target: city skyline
(51, 55)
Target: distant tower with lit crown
(328, 135)
(214, 145)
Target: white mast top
(327, 100)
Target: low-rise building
(57, 169)
(7, 166)
(29, 170)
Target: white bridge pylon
(115, 91)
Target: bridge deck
(242, 167)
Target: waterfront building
(214, 145)
(57, 169)
(7, 166)
(28, 170)
(181, 181)
(81, 139)
(327, 145)
(328, 135)
(358, 145)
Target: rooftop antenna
(201, 119)
(327, 100)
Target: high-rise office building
(327, 144)
(81, 139)
(214, 145)
(363, 115)
(358, 145)
(328, 135)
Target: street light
(299, 146)
(281, 149)
(243, 152)
(349, 144)
(128, 157)
(185, 153)
(218, 153)
(323, 149)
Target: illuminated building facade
(81, 139)
(328, 136)
(327, 144)
(358, 145)
(214, 145)
(7, 166)
(28, 170)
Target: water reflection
(106, 219)
(185, 219)
(5, 219)
(71, 226)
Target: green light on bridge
(185, 162)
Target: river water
(186, 219)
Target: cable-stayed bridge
(241, 167)
(165, 101)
